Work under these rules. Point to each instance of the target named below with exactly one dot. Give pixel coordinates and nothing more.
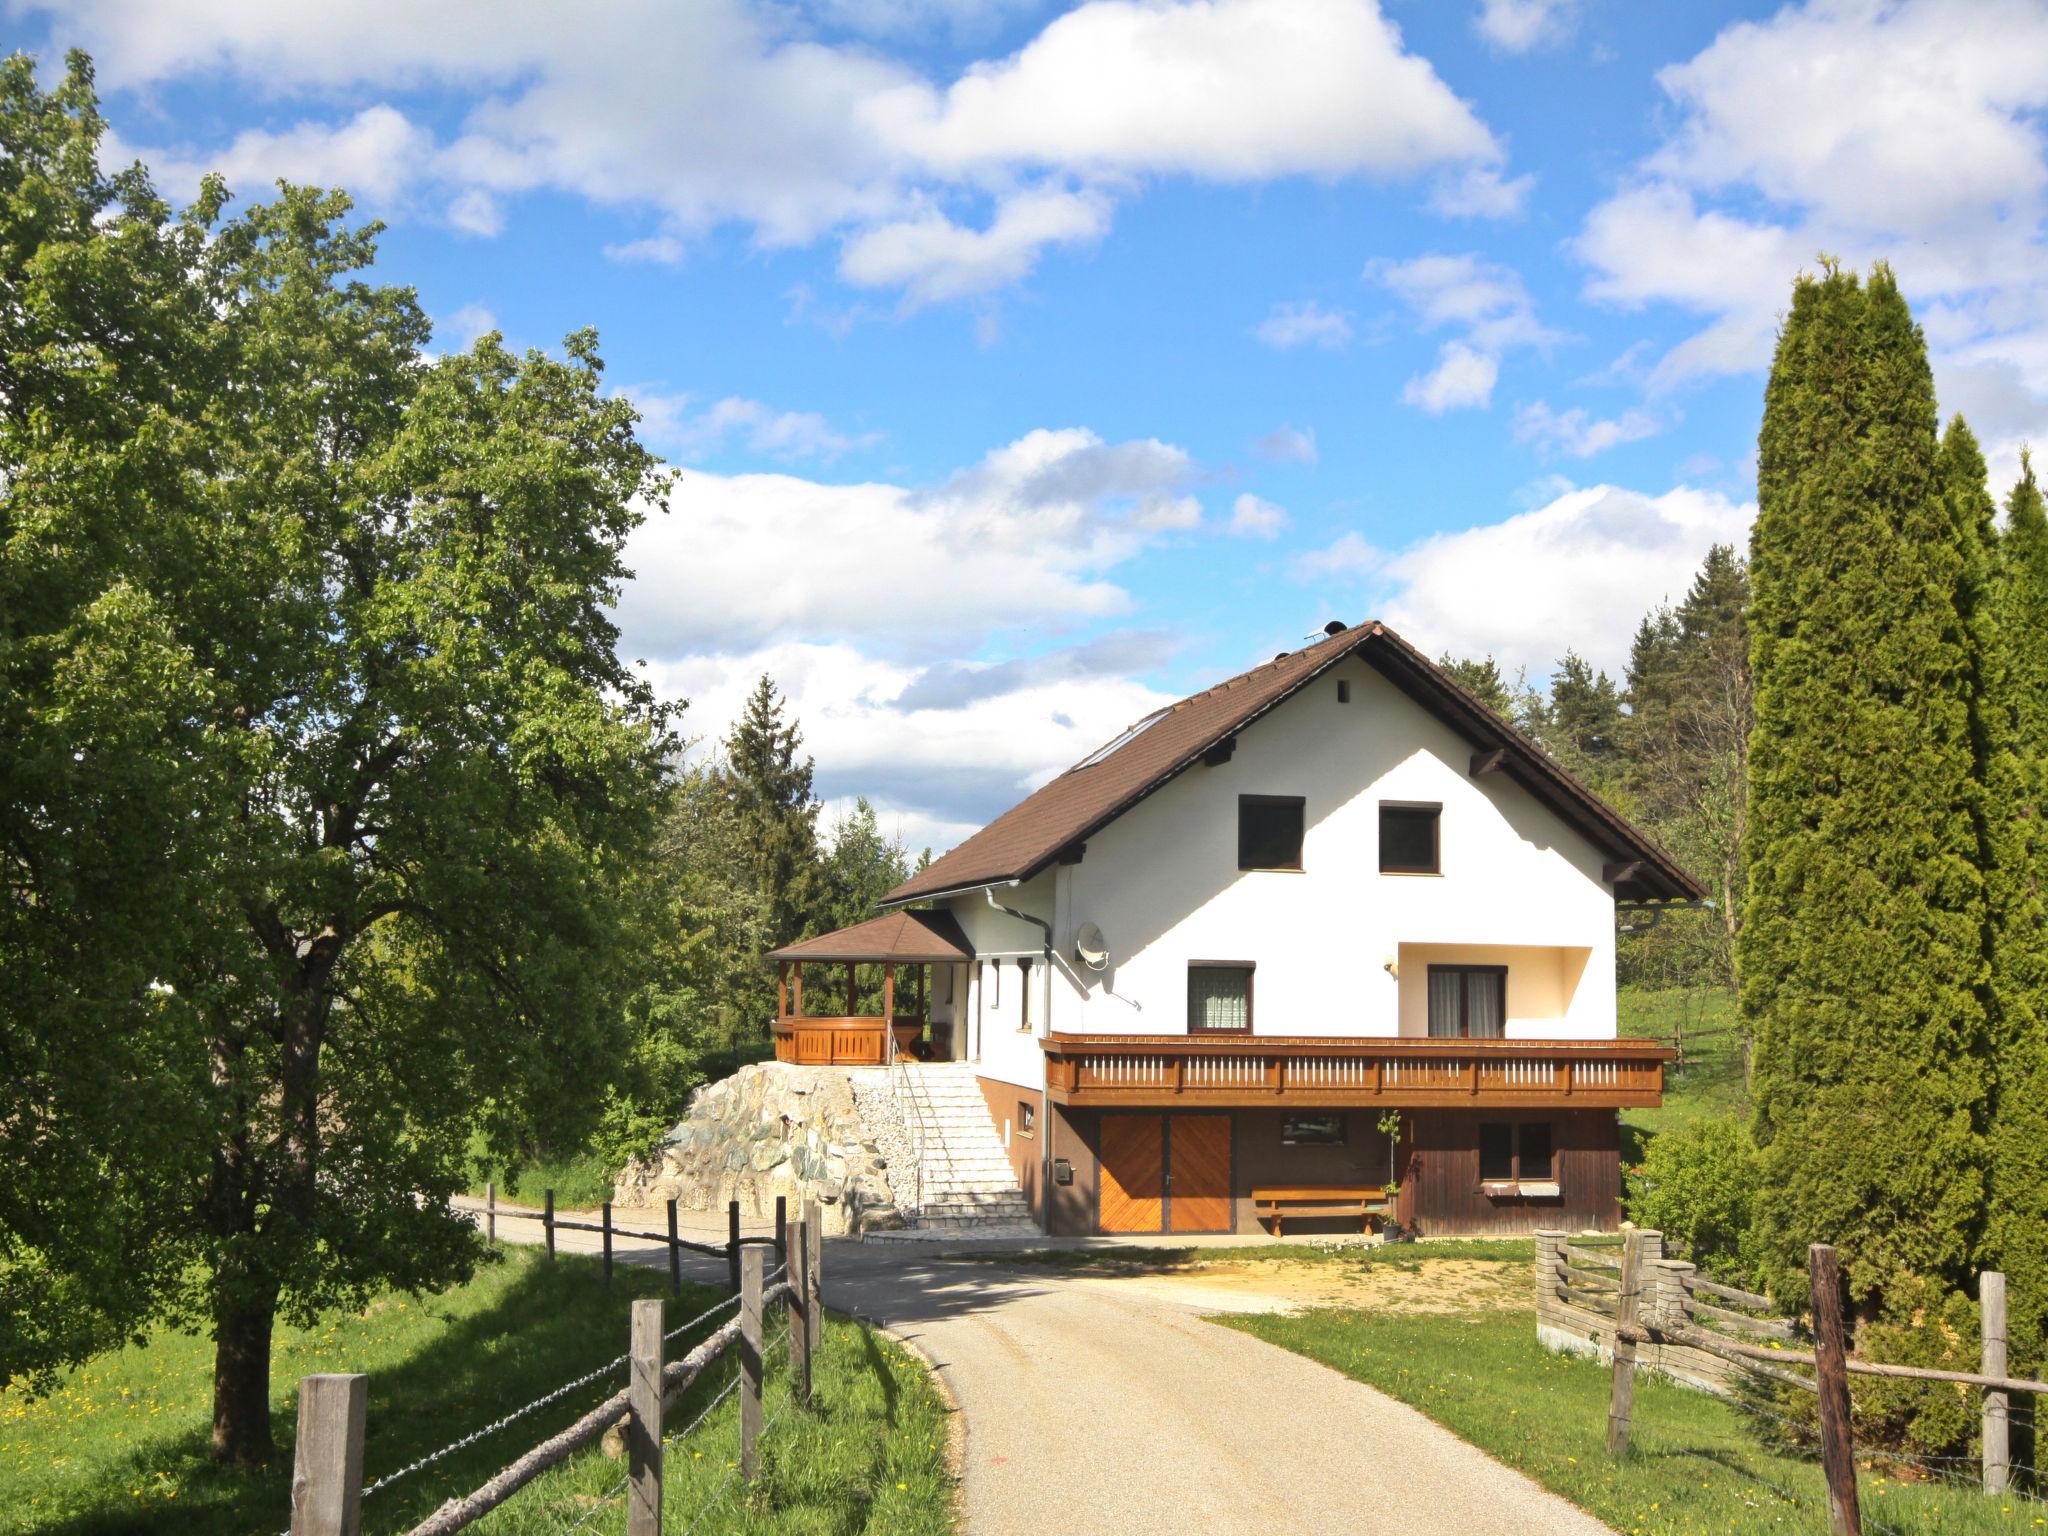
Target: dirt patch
(1252, 1285)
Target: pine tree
(771, 791)
(2016, 1240)
(1584, 721)
(1862, 951)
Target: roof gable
(1065, 812)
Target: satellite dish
(1092, 947)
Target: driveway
(1097, 1407)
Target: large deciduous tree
(335, 613)
(1862, 951)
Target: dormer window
(1269, 829)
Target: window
(1269, 831)
(1027, 1118)
(1520, 1154)
(1408, 839)
(1343, 690)
(1496, 1152)
(1312, 1131)
(1468, 1002)
(1023, 994)
(1219, 998)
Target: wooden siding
(1198, 1155)
(1133, 1173)
(1440, 1175)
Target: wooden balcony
(1274, 1071)
(850, 1040)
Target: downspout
(1044, 1098)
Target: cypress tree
(1861, 955)
(2016, 1240)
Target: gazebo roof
(914, 938)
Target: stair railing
(902, 1083)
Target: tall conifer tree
(770, 784)
(1862, 949)
(2017, 1237)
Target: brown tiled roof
(1087, 797)
(909, 937)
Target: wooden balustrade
(1252, 1070)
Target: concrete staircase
(967, 1189)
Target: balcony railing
(1273, 1070)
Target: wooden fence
(1619, 1298)
(677, 1245)
(327, 1474)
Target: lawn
(1696, 1468)
(1124, 1258)
(120, 1444)
(1709, 1083)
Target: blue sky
(1028, 365)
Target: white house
(1328, 926)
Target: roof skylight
(1129, 735)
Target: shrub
(1695, 1185)
(1923, 1325)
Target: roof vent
(1279, 655)
(1335, 627)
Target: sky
(1024, 367)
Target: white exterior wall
(992, 1010)
(1518, 887)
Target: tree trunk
(241, 1376)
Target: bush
(1923, 1325)
(1695, 1185)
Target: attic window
(1128, 736)
(1408, 839)
(1269, 831)
(1343, 690)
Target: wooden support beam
(1484, 763)
(1072, 853)
(796, 1004)
(1220, 754)
(1615, 874)
(1997, 1406)
(1622, 1386)
(796, 1264)
(750, 1363)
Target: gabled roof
(1032, 834)
(911, 938)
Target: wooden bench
(1363, 1200)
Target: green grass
(1133, 1258)
(1709, 1084)
(580, 1180)
(1696, 1468)
(121, 1443)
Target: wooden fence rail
(327, 1479)
(1646, 1310)
(729, 1250)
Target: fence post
(1831, 1381)
(751, 1263)
(794, 1243)
(643, 1424)
(547, 1219)
(607, 1242)
(782, 1230)
(327, 1460)
(1627, 1308)
(732, 1243)
(491, 1214)
(675, 1254)
(814, 1276)
(1997, 1412)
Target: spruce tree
(1862, 954)
(770, 787)
(2016, 1240)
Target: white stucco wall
(992, 1003)
(1518, 887)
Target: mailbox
(1062, 1171)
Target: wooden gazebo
(914, 941)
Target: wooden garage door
(1199, 1147)
(1133, 1173)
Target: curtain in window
(1219, 997)
(1485, 1007)
(1446, 994)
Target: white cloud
(1484, 301)
(1480, 192)
(464, 325)
(662, 250)
(1253, 517)
(1575, 573)
(1288, 445)
(476, 212)
(1899, 130)
(1346, 558)
(708, 112)
(1303, 323)
(1461, 379)
(670, 423)
(1517, 26)
(1578, 434)
(378, 155)
(932, 258)
(1026, 537)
